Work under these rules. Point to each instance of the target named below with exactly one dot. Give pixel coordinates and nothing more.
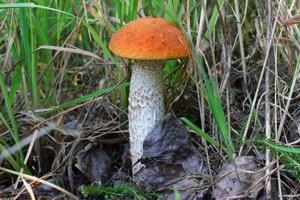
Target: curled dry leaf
(94, 163)
(170, 142)
(170, 159)
(291, 21)
(230, 184)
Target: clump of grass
(123, 190)
(289, 156)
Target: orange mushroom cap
(149, 38)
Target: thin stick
(275, 116)
(267, 105)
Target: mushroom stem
(146, 105)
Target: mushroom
(149, 41)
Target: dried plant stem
(200, 93)
(260, 80)
(275, 117)
(279, 131)
(289, 98)
(240, 35)
(40, 180)
(267, 103)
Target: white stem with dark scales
(146, 104)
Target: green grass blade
(85, 98)
(100, 42)
(8, 105)
(33, 5)
(199, 131)
(204, 135)
(10, 158)
(281, 148)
